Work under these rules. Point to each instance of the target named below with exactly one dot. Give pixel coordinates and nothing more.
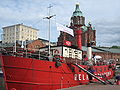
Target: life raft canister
(56, 51)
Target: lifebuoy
(56, 51)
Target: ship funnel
(89, 51)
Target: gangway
(90, 74)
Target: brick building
(29, 44)
(105, 52)
(78, 22)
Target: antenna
(49, 31)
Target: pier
(94, 87)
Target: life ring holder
(56, 51)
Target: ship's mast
(14, 50)
(49, 31)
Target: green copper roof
(77, 11)
(84, 28)
(93, 28)
(90, 25)
(84, 48)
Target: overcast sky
(103, 14)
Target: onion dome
(89, 24)
(77, 11)
(84, 28)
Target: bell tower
(77, 19)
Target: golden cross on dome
(77, 3)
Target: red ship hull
(32, 74)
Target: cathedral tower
(77, 19)
(82, 33)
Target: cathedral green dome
(77, 11)
(84, 28)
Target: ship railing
(82, 62)
(37, 54)
(22, 52)
(72, 60)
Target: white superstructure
(65, 52)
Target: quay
(94, 87)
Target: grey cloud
(104, 14)
(108, 32)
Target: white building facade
(19, 32)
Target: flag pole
(64, 37)
(64, 31)
(49, 31)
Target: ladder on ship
(90, 74)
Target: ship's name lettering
(81, 77)
(85, 76)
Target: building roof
(26, 43)
(84, 48)
(21, 25)
(77, 11)
(47, 41)
(112, 50)
(43, 40)
(18, 42)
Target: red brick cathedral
(78, 22)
